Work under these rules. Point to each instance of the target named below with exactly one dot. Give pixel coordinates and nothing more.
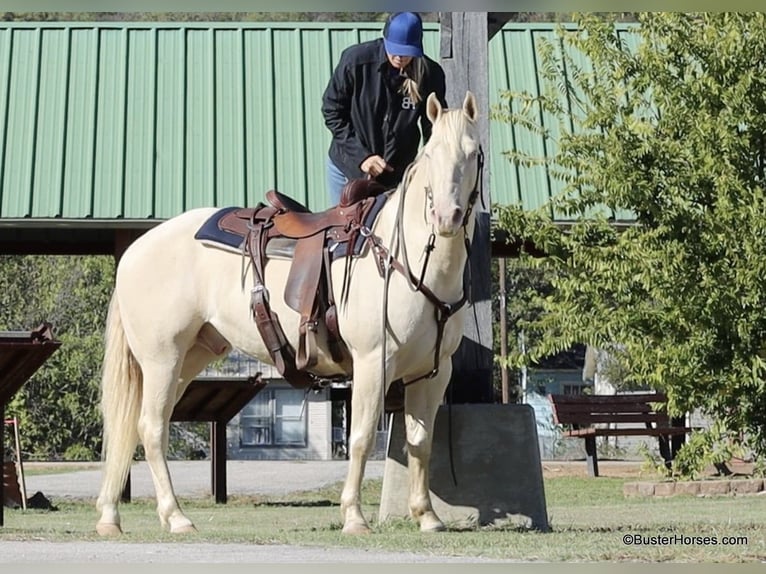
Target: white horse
(178, 305)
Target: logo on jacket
(408, 103)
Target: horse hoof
(108, 529)
(429, 522)
(433, 527)
(185, 529)
(356, 528)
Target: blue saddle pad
(212, 233)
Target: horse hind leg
(422, 399)
(160, 382)
(127, 412)
(155, 422)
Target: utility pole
(503, 333)
(464, 58)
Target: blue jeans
(335, 182)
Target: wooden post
(126, 490)
(2, 461)
(463, 55)
(218, 462)
(22, 480)
(591, 455)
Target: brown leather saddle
(312, 241)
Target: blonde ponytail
(413, 77)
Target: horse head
(454, 162)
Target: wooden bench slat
(605, 408)
(593, 431)
(602, 418)
(589, 409)
(610, 399)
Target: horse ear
(433, 107)
(469, 106)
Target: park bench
(591, 416)
(22, 353)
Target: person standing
(374, 102)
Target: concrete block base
(496, 463)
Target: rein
(443, 311)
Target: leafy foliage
(58, 407)
(670, 134)
(709, 447)
(520, 302)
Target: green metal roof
(514, 66)
(141, 121)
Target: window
(572, 389)
(275, 417)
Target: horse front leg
(421, 401)
(366, 404)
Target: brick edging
(694, 487)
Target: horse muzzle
(448, 222)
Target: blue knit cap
(403, 35)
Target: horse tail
(121, 391)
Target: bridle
(443, 311)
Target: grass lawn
(589, 520)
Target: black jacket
(367, 115)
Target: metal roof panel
(50, 123)
(170, 123)
(79, 144)
(140, 124)
(21, 119)
(144, 120)
(109, 151)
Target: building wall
(320, 426)
(318, 434)
(556, 381)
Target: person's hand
(375, 165)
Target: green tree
(525, 284)
(672, 131)
(59, 406)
